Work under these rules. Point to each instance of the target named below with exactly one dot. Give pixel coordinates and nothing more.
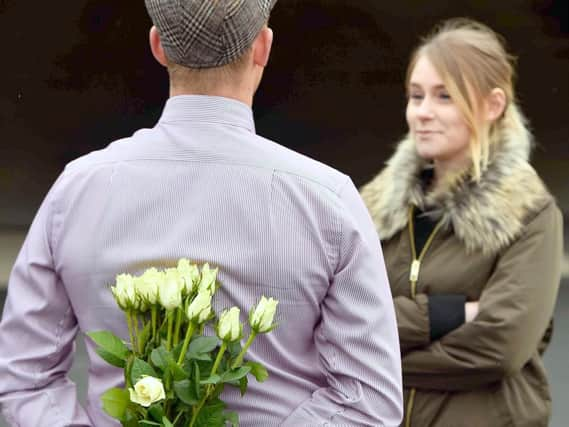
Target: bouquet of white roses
(173, 373)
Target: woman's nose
(425, 108)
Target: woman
(472, 240)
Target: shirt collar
(211, 109)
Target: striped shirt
(202, 185)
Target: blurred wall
(76, 77)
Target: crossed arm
(502, 330)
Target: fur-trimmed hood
(486, 215)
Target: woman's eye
(444, 96)
(415, 96)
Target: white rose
(148, 284)
(229, 328)
(207, 281)
(124, 292)
(200, 308)
(190, 273)
(261, 316)
(147, 391)
(170, 292)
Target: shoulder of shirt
(296, 165)
(280, 159)
(101, 157)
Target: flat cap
(207, 33)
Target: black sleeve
(446, 313)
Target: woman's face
(436, 124)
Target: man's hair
(204, 80)
(472, 61)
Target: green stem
(209, 388)
(127, 371)
(239, 358)
(189, 334)
(143, 412)
(177, 418)
(218, 358)
(134, 327)
(128, 323)
(170, 316)
(167, 380)
(195, 413)
(141, 343)
(134, 320)
(153, 317)
(178, 325)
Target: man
(201, 184)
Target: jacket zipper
(414, 271)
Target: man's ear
(156, 46)
(495, 104)
(262, 47)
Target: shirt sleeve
(37, 335)
(515, 309)
(357, 336)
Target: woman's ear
(495, 104)
(156, 46)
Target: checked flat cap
(207, 33)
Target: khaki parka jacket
(499, 243)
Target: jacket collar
(486, 215)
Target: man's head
(209, 44)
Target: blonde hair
(472, 61)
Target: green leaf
(110, 358)
(243, 383)
(149, 423)
(197, 378)
(205, 367)
(140, 368)
(235, 374)
(130, 419)
(115, 401)
(214, 379)
(166, 422)
(232, 417)
(177, 372)
(110, 347)
(156, 412)
(259, 371)
(216, 404)
(234, 348)
(211, 415)
(161, 358)
(110, 342)
(217, 390)
(175, 352)
(185, 392)
(200, 348)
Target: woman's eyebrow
(414, 85)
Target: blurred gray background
(77, 77)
